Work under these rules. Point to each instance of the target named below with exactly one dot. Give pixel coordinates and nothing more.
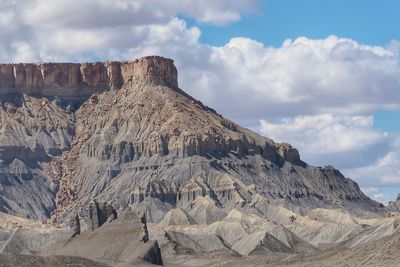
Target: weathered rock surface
(30, 137)
(37, 240)
(204, 186)
(177, 217)
(124, 132)
(394, 206)
(280, 238)
(7, 260)
(75, 225)
(99, 213)
(70, 81)
(19, 235)
(119, 242)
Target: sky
(321, 75)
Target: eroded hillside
(125, 132)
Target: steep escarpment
(37, 104)
(130, 136)
(79, 81)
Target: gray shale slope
(124, 132)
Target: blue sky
(323, 75)
(388, 120)
(367, 21)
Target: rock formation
(394, 206)
(99, 213)
(205, 189)
(75, 225)
(118, 243)
(124, 132)
(145, 237)
(71, 81)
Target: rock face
(124, 132)
(118, 243)
(394, 205)
(37, 123)
(75, 225)
(79, 81)
(99, 213)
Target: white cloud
(303, 77)
(325, 133)
(342, 140)
(24, 52)
(105, 13)
(89, 29)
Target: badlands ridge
(111, 164)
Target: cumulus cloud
(303, 77)
(325, 133)
(86, 30)
(344, 141)
(105, 13)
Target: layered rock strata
(135, 138)
(80, 81)
(99, 213)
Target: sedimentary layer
(135, 138)
(76, 81)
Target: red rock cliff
(72, 80)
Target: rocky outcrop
(118, 243)
(75, 226)
(162, 190)
(394, 206)
(145, 237)
(124, 132)
(153, 254)
(80, 81)
(177, 217)
(99, 213)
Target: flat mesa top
(44, 78)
